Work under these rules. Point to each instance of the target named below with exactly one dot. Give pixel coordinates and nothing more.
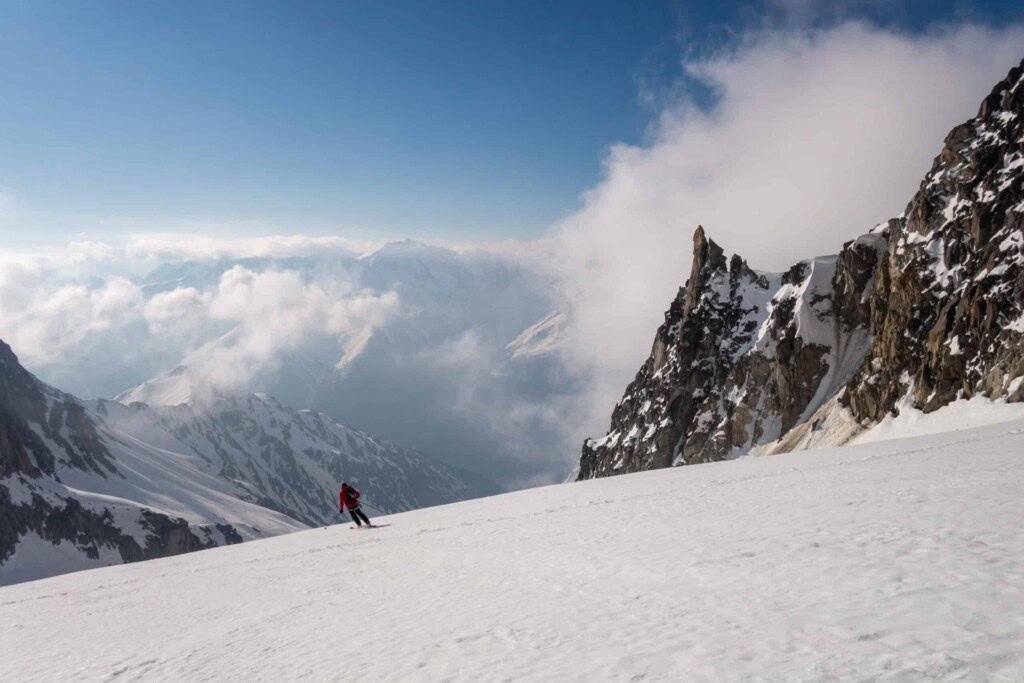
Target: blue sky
(451, 120)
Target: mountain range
(452, 351)
(92, 483)
(919, 312)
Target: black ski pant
(358, 514)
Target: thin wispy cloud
(184, 246)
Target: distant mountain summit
(920, 311)
(92, 483)
(168, 389)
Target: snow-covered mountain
(900, 560)
(85, 484)
(408, 341)
(167, 389)
(293, 460)
(742, 357)
(457, 370)
(919, 312)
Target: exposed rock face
(60, 418)
(949, 314)
(741, 358)
(929, 305)
(45, 433)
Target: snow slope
(89, 484)
(963, 413)
(899, 560)
(291, 460)
(168, 389)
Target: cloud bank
(408, 342)
(271, 312)
(228, 328)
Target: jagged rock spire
(929, 307)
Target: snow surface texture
(900, 560)
(834, 425)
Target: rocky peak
(708, 260)
(740, 358)
(927, 307)
(32, 414)
(19, 390)
(1006, 95)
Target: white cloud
(814, 138)
(275, 311)
(228, 332)
(43, 322)
(536, 431)
(89, 250)
(179, 312)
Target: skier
(349, 498)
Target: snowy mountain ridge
(742, 358)
(406, 380)
(91, 483)
(168, 389)
(928, 306)
(293, 460)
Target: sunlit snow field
(898, 559)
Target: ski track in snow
(898, 560)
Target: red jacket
(349, 498)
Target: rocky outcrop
(927, 307)
(741, 358)
(47, 436)
(59, 419)
(949, 314)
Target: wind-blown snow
(961, 414)
(900, 559)
(542, 337)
